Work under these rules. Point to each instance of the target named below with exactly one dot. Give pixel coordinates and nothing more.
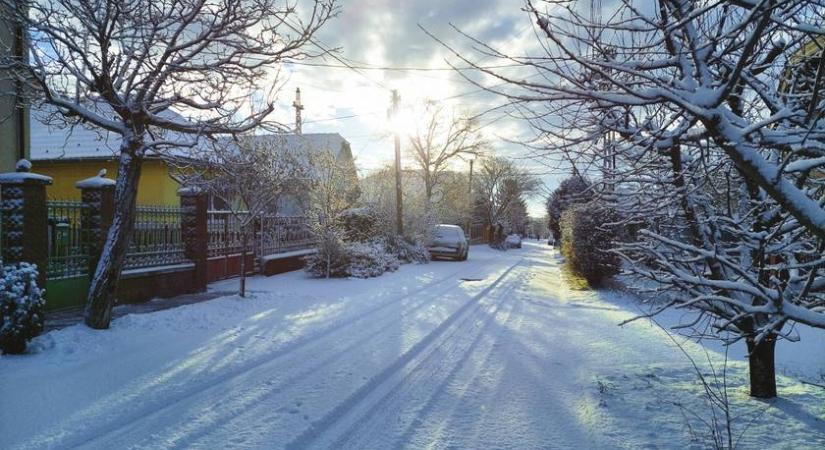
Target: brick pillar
(25, 228)
(194, 203)
(98, 196)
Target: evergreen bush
(589, 231)
(21, 307)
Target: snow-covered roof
(309, 142)
(51, 142)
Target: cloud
(387, 34)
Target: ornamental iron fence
(157, 239)
(68, 256)
(283, 234)
(225, 232)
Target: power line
(400, 69)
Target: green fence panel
(66, 292)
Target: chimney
(298, 108)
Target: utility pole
(470, 195)
(399, 212)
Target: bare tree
(249, 174)
(333, 188)
(500, 188)
(127, 66)
(440, 139)
(708, 136)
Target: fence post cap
(190, 191)
(98, 181)
(22, 175)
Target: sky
(382, 41)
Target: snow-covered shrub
(406, 251)
(359, 224)
(21, 307)
(332, 258)
(337, 259)
(370, 259)
(588, 233)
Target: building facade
(14, 137)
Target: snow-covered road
(503, 351)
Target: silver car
(449, 242)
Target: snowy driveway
(502, 351)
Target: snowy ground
(516, 355)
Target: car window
(448, 232)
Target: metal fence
(268, 234)
(68, 257)
(157, 239)
(282, 234)
(224, 230)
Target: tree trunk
(103, 287)
(243, 262)
(762, 370)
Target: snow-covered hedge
(588, 232)
(21, 307)
(571, 191)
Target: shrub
(571, 191)
(359, 224)
(21, 307)
(331, 260)
(337, 259)
(588, 234)
(370, 260)
(407, 251)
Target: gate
(67, 274)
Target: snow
(96, 182)
(291, 254)
(22, 174)
(524, 358)
(169, 268)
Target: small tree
(249, 174)
(126, 67)
(333, 189)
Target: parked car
(449, 242)
(551, 242)
(513, 241)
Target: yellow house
(799, 80)
(72, 154)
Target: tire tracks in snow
(162, 402)
(281, 386)
(385, 383)
(440, 368)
